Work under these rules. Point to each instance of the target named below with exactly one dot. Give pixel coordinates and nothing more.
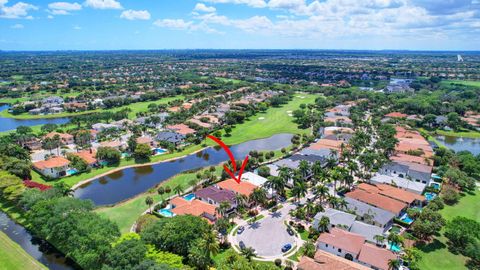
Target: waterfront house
(53, 167)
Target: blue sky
(238, 24)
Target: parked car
(240, 230)
(241, 245)
(290, 232)
(286, 247)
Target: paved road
(268, 235)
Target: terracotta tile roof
(338, 118)
(53, 162)
(409, 158)
(88, 156)
(336, 130)
(174, 109)
(405, 146)
(326, 261)
(64, 136)
(396, 115)
(181, 129)
(375, 256)
(144, 140)
(345, 240)
(377, 200)
(194, 207)
(200, 123)
(391, 192)
(243, 187)
(113, 144)
(327, 143)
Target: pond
(127, 183)
(37, 248)
(460, 143)
(10, 123)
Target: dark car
(240, 230)
(241, 245)
(290, 232)
(286, 247)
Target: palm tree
(248, 253)
(241, 200)
(161, 191)
(285, 174)
(223, 208)
(304, 168)
(277, 184)
(178, 189)
(193, 183)
(211, 244)
(393, 264)
(299, 190)
(395, 239)
(379, 239)
(309, 249)
(341, 203)
(258, 196)
(323, 224)
(149, 201)
(321, 192)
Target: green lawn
(135, 107)
(275, 121)
(463, 133)
(468, 83)
(435, 256)
(13, 257)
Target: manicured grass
(468, 83)
(276, 120)
(435, 256)
(135, 107)
(13, 257)
(465, 133)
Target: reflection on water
(10, 123)
(37, 248)
(460, 144)
(134, 181)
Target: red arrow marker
(232, 159)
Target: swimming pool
(435, 185)
(166, 212)
(189, 197)
(71, 171)
(430, 196)
(159, 151)
(405, 218)
(394, 247)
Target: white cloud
(204, 8)
(17, 26)
(179, 24)
(103, 4)
(76, 27)
(251, 3)
(50, 17)
(65, 6)
(16, 11)
(135, 15)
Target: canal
(127, 183)
(11, 123)
(37, 248)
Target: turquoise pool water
(430, 196)
(394, 247)
(189, 197)
(406, 218)
(159, 151)
(435, 185)
(166, 212)
(71, 171)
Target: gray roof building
(366, 230)
(337, 218)
(403, 183)
(416, 172)
(170, 136)
(370, 214)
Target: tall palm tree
(393, 264)
(304, 168)
(395, 239)
(212, 247)
(277, 184)
(149, 201)
(341, 203)
(323, 224)
(178, 189)
(248, 253)
(299, 190)
(321, 192)
(258, 196)
(379, 239)
(241, 200)
(285, 174)
(223, 208)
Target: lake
(37, 248)
(127, 183)
(11, 123)
(460, 143)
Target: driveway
(268, 235)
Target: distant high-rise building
(459, 58)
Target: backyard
(435, 255)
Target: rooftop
(375, 256)
(342, 239)
(377, 200)
(326, 261)
(243, 187)
(50, 163)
